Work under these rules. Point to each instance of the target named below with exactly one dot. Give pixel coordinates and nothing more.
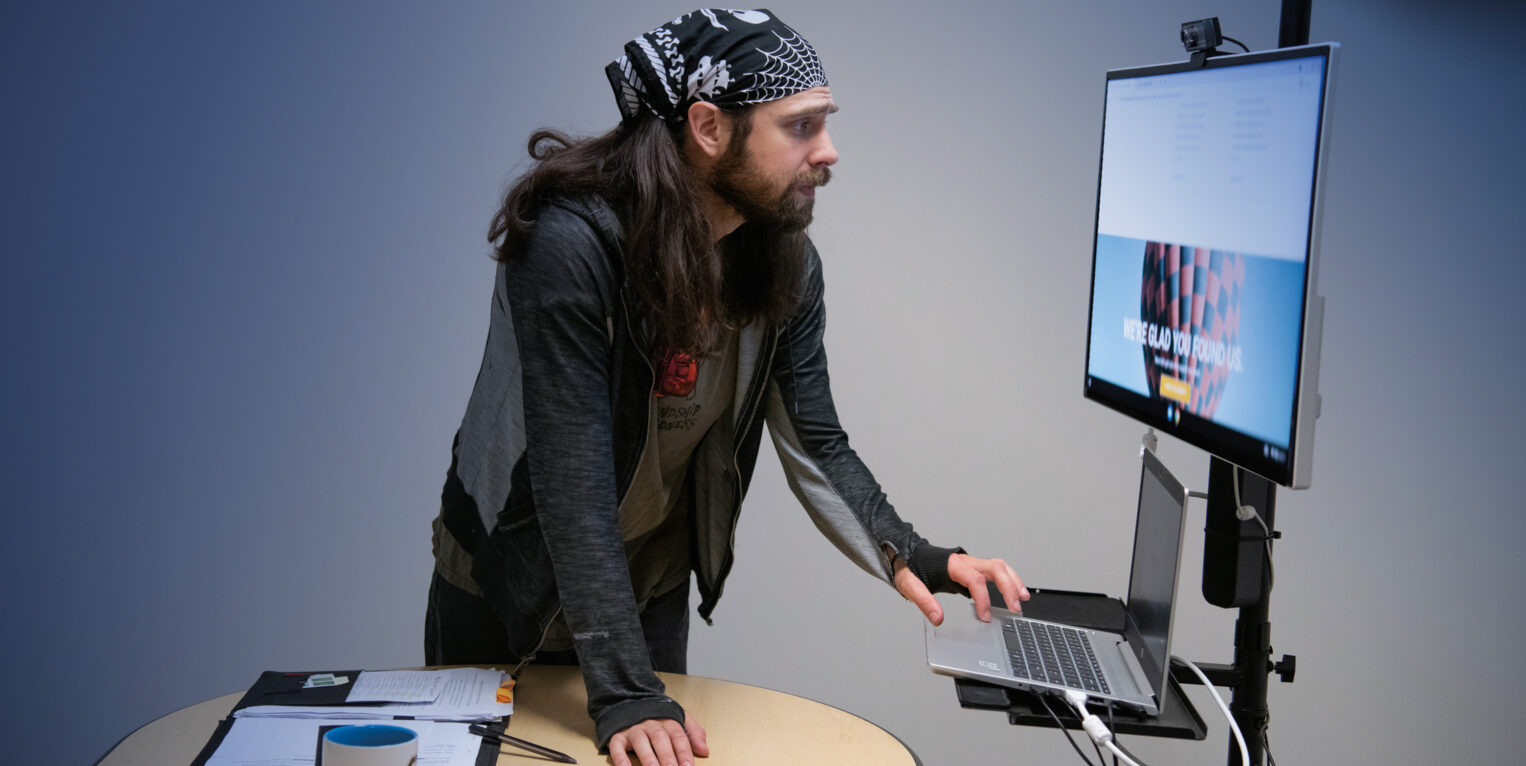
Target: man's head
(723, 122)
(765, 162)
(747, 99)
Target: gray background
(245, 290)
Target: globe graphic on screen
(1192, 296)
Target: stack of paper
(458, 694)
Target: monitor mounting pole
(1237, 573)
(1293, 30)
(1237, 545)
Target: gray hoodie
(554, 433)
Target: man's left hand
(973, 573)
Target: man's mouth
(809, 181)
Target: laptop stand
(1088, 610)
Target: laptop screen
(1157, 555)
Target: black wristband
(930, 564)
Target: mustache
(818, 177)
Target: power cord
(1112, 726)
(1100, 734)
(1057, 722)
(1233, 727)
(1096, 729)
(1245, 512)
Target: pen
(504, 739)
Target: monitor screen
(1204, 320)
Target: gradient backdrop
(245, 288)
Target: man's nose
(824, 154)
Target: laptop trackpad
(961, 624)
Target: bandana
(728, 58)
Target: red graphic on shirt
(676, 374)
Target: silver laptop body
(1132, 665)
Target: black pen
(504, 739)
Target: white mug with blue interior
(370, 745)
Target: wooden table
(744, 725)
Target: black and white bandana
(729, 58)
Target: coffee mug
(370, 745)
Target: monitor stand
(1237, 573)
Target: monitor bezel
(1218, 440)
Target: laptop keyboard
(1053, 653)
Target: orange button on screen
(1175, 389)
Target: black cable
(1057, 722)
(1125, 750)
(1113, 727)
(1236, 42)
(1266, 744)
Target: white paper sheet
(397, 686)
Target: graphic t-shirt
(691, 395)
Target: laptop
(1129, 668)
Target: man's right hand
(660, 742)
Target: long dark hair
(691, 294)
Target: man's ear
(708, 128)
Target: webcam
(1202, 35)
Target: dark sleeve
(560, 294)
(826, 474)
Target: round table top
(744, 725)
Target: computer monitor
(1204, 318)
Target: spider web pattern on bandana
(792, 68)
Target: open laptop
(1126, 668)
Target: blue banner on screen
(1216, 336)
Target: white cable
(1233, 727)
(1113, 746)
(1095, 728)
(1249, 513)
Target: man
(656, 304)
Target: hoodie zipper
(736, 508)
(527, 659)
(646, 423)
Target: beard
(764, 259)
(738, 181)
